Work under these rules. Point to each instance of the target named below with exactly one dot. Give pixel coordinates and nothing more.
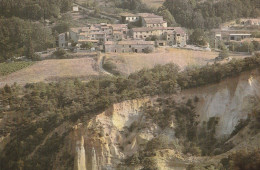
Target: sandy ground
(130, 62)
(52, 70)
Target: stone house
(147, 19)
(145, 32)
(250, 22)
(128, 17)
(136, 46)
(180, 37)
(172, 35)
(75, 8)
(62, 40)
(238, 36)
(154, 22)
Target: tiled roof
(130, 42)
(154, 20)
(86, 40)
(179, 30)
(128, 15)
(136, 42)
(143, 29)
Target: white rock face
(94, 160)
(230, 100)
(80, 160)
(109, 140)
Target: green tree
(198, 37)
(167, 16)
(87, 45)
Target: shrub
(157, 143)
(223, 54)
(241, 124)
(60, 53)
(148, 50)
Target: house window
(130, 46)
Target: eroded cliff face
(108, 138)
(230, 100)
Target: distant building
(62, 40)
(136, 46)
(251, 22)
(172, 35)
(75, 8)
(152, 20)
(238, 36)
(147, 19)
(101, 32)
(128, 17)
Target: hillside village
(129, 84)
(151, 33)
(143, 32)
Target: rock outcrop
(109, 138)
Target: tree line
(22, 38)
(34, 9)
(21, 33)
(210, 14)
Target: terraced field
(53, 70)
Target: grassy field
(8, 68)
(130, 62)
(52, 70)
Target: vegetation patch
(8, 68)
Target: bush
(60, 53)
(87, 45)
(223, 54)
(148, 50)
(245, 160)
(157, 143)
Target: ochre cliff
(107, 139)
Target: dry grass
(51, 70)
(130, 62)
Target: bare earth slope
(51, 70)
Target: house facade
(238, 36)
(128, 17)
(172, 35)
(127, 46)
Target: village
(144, 32)
(118, 38)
